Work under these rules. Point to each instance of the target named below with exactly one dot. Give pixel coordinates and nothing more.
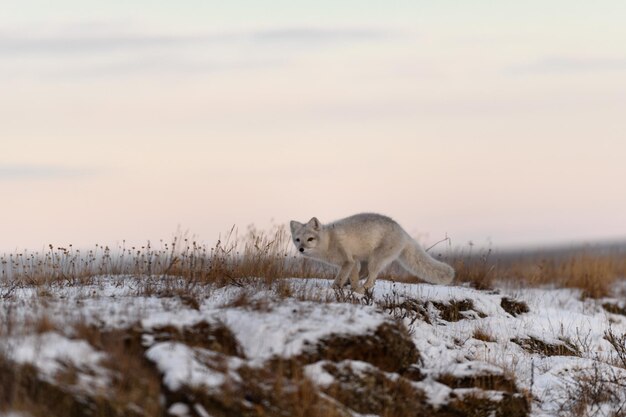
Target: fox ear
(314, 223)
(295, 226)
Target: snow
(472, 368)
(52, 353)
(286, 326)
(48, 351)
(316, 373)
(182, 365)
(178, 410)
(292, 324)
(201, 411)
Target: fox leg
(358, 272)
(377, 262)
(343, 274)
(363, 272)
(354, 275)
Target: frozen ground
(466, 339)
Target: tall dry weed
(270, 256)
(593, 273)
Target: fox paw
(359, 290)
(336, 285)
(368, 285)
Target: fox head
(306, 237)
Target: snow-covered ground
(459, 332)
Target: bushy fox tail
(415, 260)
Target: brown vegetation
(594, 272)
(215, 337)
(456, 310)
(270, 256)
(481, 405)
(534, 345)
(379, 394)
(389, 348)
(483, 334)
(514, 307)
(257, 254)
(594, 392)
(485, 381)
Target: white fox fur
(363, 245)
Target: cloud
(557, 64)
(319, 35)
(30, 45)
(43, 172)
(110, 51)
(95, 43)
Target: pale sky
(500, 123)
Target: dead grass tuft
(213, 336)
(408, 308)
(594, 393)
(279, 389)
(480, 271)
(389, 348)
(618, 343)
(514, 307)
(475, 404)
(534, 345)
(480, 333)
(490, 382)
(370, 391)
(456, 310)
(614, 308)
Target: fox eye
(298, 240)
(311, 239)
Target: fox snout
(301, 249)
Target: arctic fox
(362, 246)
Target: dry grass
(386, 397)
(491, 382)
(594, 393)
(484, 334)
(534, 345)
(280, 390)
(594, 272)
(229, 262)
(401, 308)
(270, 256)
(478, 270)
(514, 307)
(456, 310)
(618, 343)
(481, 405)
(389, 348)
